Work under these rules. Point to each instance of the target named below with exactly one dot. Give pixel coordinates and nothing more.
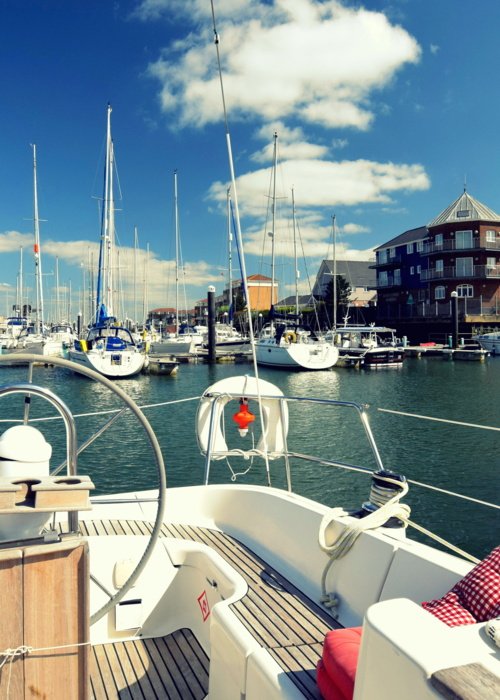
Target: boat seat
(475, 598)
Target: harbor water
(450, 456)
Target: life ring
(290, 337)
(210, 432)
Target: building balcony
(450, 246)
(390, 281)
(387, 262)
(475, 272)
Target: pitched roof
(357, 272)
(465, 208)
(414, 234)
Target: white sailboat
(287, 345)
(231, 590)
(108, 348)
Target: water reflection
(449, 456)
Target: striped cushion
(475, 598)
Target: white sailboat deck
(286, 623)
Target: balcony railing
(384, 261)
(475, 272)
(450, 245)
(467, 306)
(389, 282)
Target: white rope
(351, 531)
(101, 413)
(9, 655)
(439, 420)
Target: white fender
(275, 417)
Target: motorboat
(373, 346)
(228, 590)
(489, 341)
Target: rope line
(438, 420)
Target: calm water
(463, 460)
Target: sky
(384, 110)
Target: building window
(491, 264)
(465, 290)
(392, 252)
(463, 240)
(420, 246)
(382, 256)
(439, 292)
(464, 267)
(382, 279)
(438, 240)
(419, 269)
(439, 268)
(397, 277)
(412, 270)
(409, 248)
(491, 236)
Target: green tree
(343, 292)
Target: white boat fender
(492, 629)
(274, 413)
(24, 451)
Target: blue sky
(382, 109)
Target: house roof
(357, 272)
(414, 234)
(258, 278)
(465, 208)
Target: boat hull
(114, 365)
(489, 342)
(296, 356)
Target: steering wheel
(31, 359)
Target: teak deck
(280, 617)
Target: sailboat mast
(176, 215)
(334, 236)
(104, 249)
(110, 236)
(230, 258)
(273, 227)
(58, 311)
(36, 250)
(19, 297)
(295, 257)
(136, 242)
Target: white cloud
(319, 62)
(352, 229)
(12, 241)
(321, 183)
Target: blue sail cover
(102, 316)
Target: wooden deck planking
(173, 667)
(277, 614)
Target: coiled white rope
(391, 508)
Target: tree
(343, 292)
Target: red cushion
(327, 688)
(475, 598)
(340, 658)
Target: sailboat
(285, 344)
(109, 348)
(185, 339)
